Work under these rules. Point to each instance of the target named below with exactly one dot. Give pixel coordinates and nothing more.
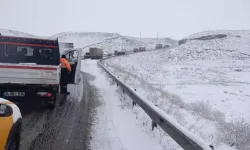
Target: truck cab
(29, 69)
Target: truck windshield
(29, 54)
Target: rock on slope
(218, 40)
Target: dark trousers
(64, 80)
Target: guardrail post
(153, 125)
(211, 146)
(133, 103)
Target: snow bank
(202, 84)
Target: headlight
(5, 110)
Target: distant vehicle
(110, 54)
(141, 49)
(66, 45)
(166, 46)
(136, 49)
(87, 55)
(10, 125)
(158, 46)
(96, 53)
(120, 53)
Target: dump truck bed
(96, 52)
(29, 74)
(29, 61)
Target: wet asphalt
(65, 127)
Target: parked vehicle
(120, 53)
(29, 70)
(141, 49)
(96, 53)
(136, 50)
(10, 125)
(158, 46)
(166, 46)
(87, 55)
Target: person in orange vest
(65, 70)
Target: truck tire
(13, 141)
(54, 100)
(53, 104)
(43, 103)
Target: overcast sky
(170, 18)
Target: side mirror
(5, 110)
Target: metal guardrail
(184, 138)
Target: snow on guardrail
(186, 139)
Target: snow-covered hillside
(110, 42)
(203, 83)
(235, 41)
(15, 33)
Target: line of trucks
(97, 53)
(30, 68)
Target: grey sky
(171, 18)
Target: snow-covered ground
(116, 125)
(203, 84)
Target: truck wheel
(13, 143)
(55, 96)
(53, 104)
(14, 140)
(43, 103)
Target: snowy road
(63, 127)
(113, 127)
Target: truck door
(74, 58)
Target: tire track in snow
(63, 128)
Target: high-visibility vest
(65, 64)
